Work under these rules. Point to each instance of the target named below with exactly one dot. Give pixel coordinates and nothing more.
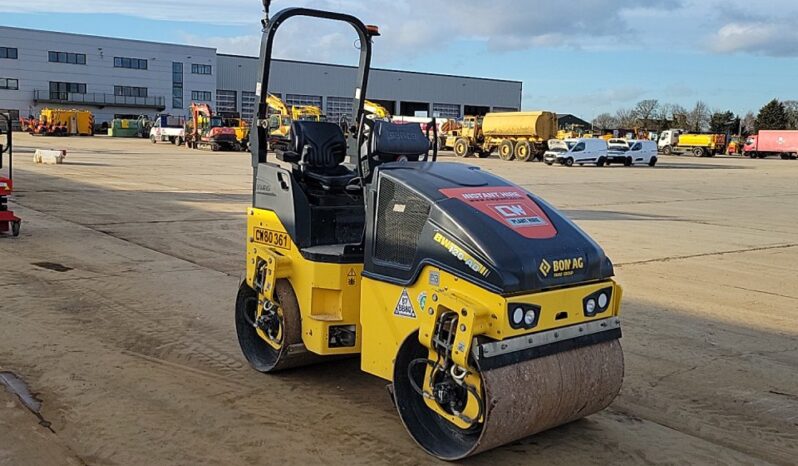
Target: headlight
(518, 316)
(597, 302)
(603, 300)
(523, 316)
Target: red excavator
(204, 130)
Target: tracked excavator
(491, 315)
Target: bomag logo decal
(545, 267)
(278, 239)
(461, 255)
(561, 267)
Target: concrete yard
(116, 308)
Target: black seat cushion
(392, 141)
(322, 146)
(338, 177)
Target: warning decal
(509, 205)
(404, 308)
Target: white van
(639, 152)
(576, 151)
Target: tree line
(652, 115)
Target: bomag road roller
(492, 315)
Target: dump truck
(61, 122)
(239, 125)
(516, 135)
(782, 143)
(679, 142)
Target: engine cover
(475, 225)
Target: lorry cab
(668, 140)
(577, 151)
(636, 152)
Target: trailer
(772, 142)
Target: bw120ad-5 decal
(509, 206)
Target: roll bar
(8, 147)
(260, 135)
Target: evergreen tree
(772, 116)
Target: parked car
(616, 143)
(637, 152)
(577, 151)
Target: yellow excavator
(379, 112)
(489, 312)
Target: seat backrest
(391, 141)
(325, 142)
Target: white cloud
(413, 27)
(776, 39)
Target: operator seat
(393, 142)
(320, 149)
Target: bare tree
(698, 118)
(679, 116)
(749, 123)
(625, 118)
(791, 107)
(605, 121)
(644, 111)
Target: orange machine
(207, 131)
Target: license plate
(277, 239)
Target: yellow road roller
(491, 314)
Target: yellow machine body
(336, 294)
(328, 294)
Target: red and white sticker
(508, 205)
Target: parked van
(638, 152)
(577, 151)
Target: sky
(578, 56)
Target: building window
(61, 91)
(177, 85)
(9, 84)
(202, 96)
(339, 106)
(8, 52)
(446, 110)
(226, 101)
(302, 100)
(131, 63)
(201, 69)
(248, 100)
(130, 91)
(68, 57)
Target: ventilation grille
(400, 218)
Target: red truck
(783, 143)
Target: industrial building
(121, 77)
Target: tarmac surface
(116, 309)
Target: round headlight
(518, 315)
(529, 318)
(590, 306)
(603, 300)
